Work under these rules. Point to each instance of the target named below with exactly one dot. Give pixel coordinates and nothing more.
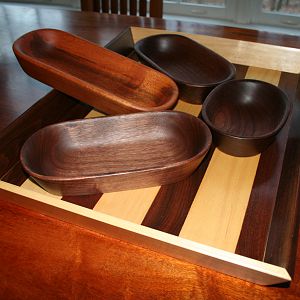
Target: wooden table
(42, 257)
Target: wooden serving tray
(235, 215)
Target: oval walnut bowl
(110, 82)
(116, 153)
(245, 115)
(195, 68)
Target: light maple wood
(131, 205)
(94, 114)
(189, 108)
(218, 210)
(32, 186)
(241, 52)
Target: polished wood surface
(155, 275)
(133, 8)
(231, 192)
(106, 80)
(120, 153)
(187, 62)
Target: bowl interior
(184, 60)
(112, 145)
(246, 108)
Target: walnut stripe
(285, 222)
(88, 201)
(253, 237)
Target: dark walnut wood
(275, 210)
(245, 115)
(102, 78)
(195, 68)
(116, 153)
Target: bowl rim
(232, 68)
(286, 113)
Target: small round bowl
(245, 115)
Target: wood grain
(50, 109)
(241, 52)
(195, 282)
(101, 155)
(217, 213)
(83, 264)
(245, 115)
(14, 22)
(129, 205)
(284, 221)
(172, 203)
(88, 201)
(95, 75)
(187, 62)
(252, 241)
(206, 256)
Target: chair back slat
(114, 6)
(121, 6)
(105, 6)
(143, 8)
(156, 9)
(132, 7)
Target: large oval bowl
(106, 80)
(116, 153)
(245, 115)
(195, 68)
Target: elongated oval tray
(195, 68)
(102, 78)
(116, 153)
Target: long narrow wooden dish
(97, 76)
(116, 153)
(195, 68)
(239, 216)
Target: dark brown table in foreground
(44, 258)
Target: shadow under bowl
(245, 115)
(195, 68)
(116, 153)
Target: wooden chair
(122, 7)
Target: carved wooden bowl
(108, 81)
(195, 68)
(245, 115)
(116, 153)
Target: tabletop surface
(159, 275)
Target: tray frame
(280, 270)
